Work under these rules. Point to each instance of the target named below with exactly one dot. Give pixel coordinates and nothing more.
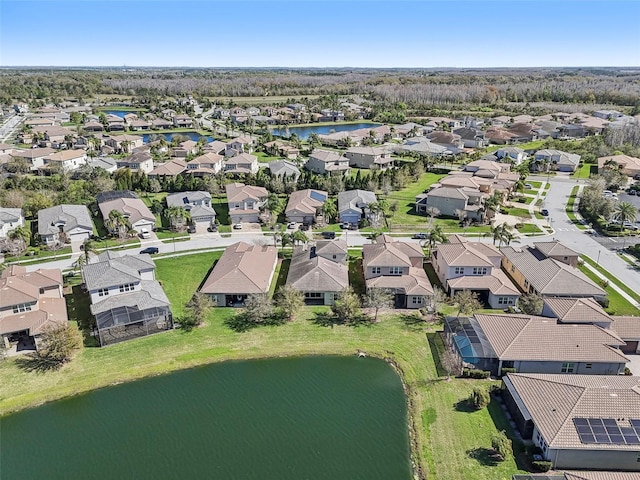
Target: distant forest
(418, 89)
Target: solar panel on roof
(607, 431)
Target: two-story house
(374, 158)
(327, 162)
(548, 159)
(245, 202)
(453, 202)
(66, 160)
(170, 169)
(10, 219)
(64, 223)
(239, 145)
(353, 206)
(198, 204)
(207, 164)
(243, 164)
(397, 267)
(305, 206)
(474, 266)
(124, 143)
(126, 299)
(30, 302)
(139, 161)
(183, 121)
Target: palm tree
(117, 223)
(89, 247)
(436, 236)
(625, 212)
(299, 236)
(503, 234)
(492, 203)
(330, 209)
(176, 216)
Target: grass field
(519, 212)
(529, 228)
(618, 305)
(446, 433)
(612, 278)
(405, 214)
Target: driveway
(634, 364)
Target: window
(505, 301)
(376, 270)
(513, 269)
(22, 307)
(313, 295)
(416, 300)
(458, 270)
(479, 270)
(395, 270)
(568, 368)
(588, 365)
(127, 287)
(103, 292)
(335, 256)
(526, 284)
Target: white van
(144, 233)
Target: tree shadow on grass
(464, 406)
(485, 456)
(437, 347)
(501, 421)
(412, 322)
(34, 362)
(243, 323)
(327, 319)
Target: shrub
(479, 398)
(502, 445)
(470, 373)
(521, 200)
(541, 465)
(506, 370)
(626, 370)
(604, 283)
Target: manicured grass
(618, 305)
(405, 198)
(221, 207)
(535, 145)
(529, 228)
(523, 200)
(265, 157)
(168, 234)
(531, 192)
(584, 171)
(444, 435)
(613, 279)
(519, 212)
(40, 254)
(535, 185)
(569, 209)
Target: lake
(195, 136)
(304, 132)
(277, 419)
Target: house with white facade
(64, 223)
(10, 219)
(245, 202)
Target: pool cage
(124, 323)
(467, 339)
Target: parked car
(150, 250)
(630, 226)
(237, 226)
(291, 225)
(344, 226)
(304, 227)
(191, 229)
(144, 233)
(632, 192)
(329, 235)
(212, 228)
(528, 186)
(544, 212)
(420, 236)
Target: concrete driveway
(634, 364)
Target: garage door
(630, 347)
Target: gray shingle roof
(68, 216)
(355, 200)
(186, 198)
(110, 269)
(9, 215)
(309, 272)
(283, 167)
(150, 296)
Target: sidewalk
(626, 296)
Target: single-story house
(170, 169)
(242, 270)
(10, 219)
(556, 160)
(130, 206)
(284, 169)
(628, 165)
(72, 222)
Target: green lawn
(535, 145)
(613, 279)
(531, 192)
(444, 433)
(221, 207)
(265, 157)
(519, 212)
(583, 172)
(618, 305)
(40, 254)
(535, 185)
(529, 228)
(569, 209)
(405, 198)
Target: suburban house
(374, 158)
(161, 124)
(327, 161)
(471, 137)
(556, 160)
(10, 219)
(244, 163)
(398, 267)
(30, 303)
(130, 206)
(124, 143)
(423, 146)
(628, 165)
(140, 161)
(353, 206)
(64, 224)
(183, 121)
(576, 310)
(628, 329)
(215, 146)
(453, 202)
(474, 266)
(108, 164)
(198, 204)
(281, 149)
(186, 148)
(239, 145)
(558, 251)
(33, 156)
(321, 276)
(126, 299)
(513, 154)
(305, 206)
(92, 126)
(66, 160)
(207, 164)
(245, 202)
(170, 169)
(578, 421)
(284, 169)
(533, 272)
(531, 344)
(242, 270)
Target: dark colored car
(304, 227)
(212, 228)
(191, 229)
(420, 236)
(544, 212)
(150, 250)
(329, 235)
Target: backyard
(448, 437)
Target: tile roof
(307, 201)
(549, 276)
(530, 338)
(242, 269)
(10, 215)
(554, 249)
(134, 208)
(331, 247)
(170, 168)
(181, 199)
(414, 283)
(577, 310)
(151, 295)
(554, 400)
(496, 282)
(469, 254)
(626, 327)
(390, 254)
(596, 475)
(309, 272)
(238, 192)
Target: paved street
(9, 127)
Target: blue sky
(331, 33)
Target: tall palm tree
(503, 234)
(176, 216)
(117, 223)
(625, 212)
(436, 236)
(299, 236)
(330, 209)
(89, 247)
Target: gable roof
(331, 247)
(237, 192)
(70, 216)
(390, 254)
(577, 310)
(170, 168)
(468, 254)
(306, 201)
(553, 401)
(109, 272)
(626, 327)
(355, 200)
(549, 276)
(242, 269)
(132, 208)
(530, 338)
(309, 272)
(181, 199)
(10, 215)
(415, 282)
(496, 282)
(554, 249)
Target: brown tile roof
(577, 310)
(15, 291)
(390, 254)
(303, 201)
(237, 192)
(529, 338)
(553, 401)
(171, 168)
(555, 249)
(497, 283)
(415, 283)
(593, 475)
(133, 207)
(242, 269)
(469, 254)
(626, 327)
(65, 155)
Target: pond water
(304, 132)
(295, 418)
(195, 136)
